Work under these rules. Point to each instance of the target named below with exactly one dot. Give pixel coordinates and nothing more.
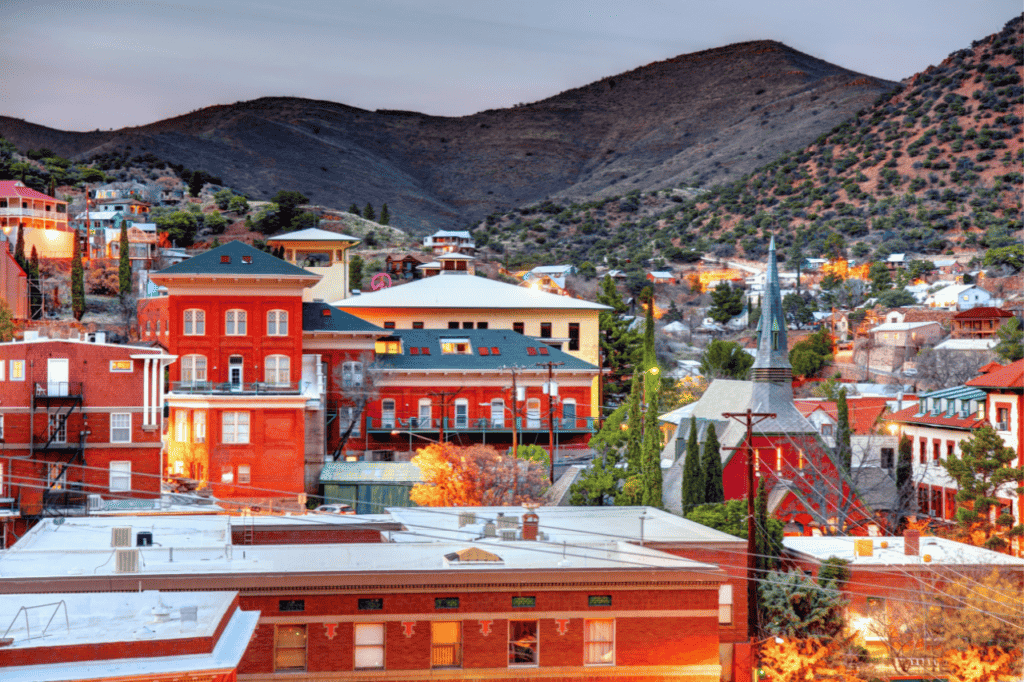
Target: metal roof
(230, 259)
(513, 350)
(399, 473)
(320, 317)
(313, 234)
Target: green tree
(238, 204)
(124, 266)
(355, 273)
(904, 477)
(634, 430)
(1010, 256)
(880, 278)
(223, 198)
(835, 247)
(77, 280)
(354, 210)
(620, 345)
(693, 479)
(216, 222)
(35, 287)
(180, 226)
(19, 248)
(6, 322)
(195, 181)
(767, 544)
(727, 302)
(711, 468)
(385, 215)
(794, 606)
(896, 298)
(287, 202)
(598, 484)
(673, 314)
(844, 451)
(651, 444)
(368, 212)
(799, 310)
(796, 258)
(1011, 341)
(731, 517)
(725, 360)
(810, 355)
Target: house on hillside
(960, 297)
(982, 322)
(403, 265)
(447, 241)
(44, 219)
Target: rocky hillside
(934, 168)
(702, 118)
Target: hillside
(933, 168)
(705, 117)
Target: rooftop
(941, 550)
(371, 472)
(982, 312)
(1009, 376)
(900, 326)
(234, 259)
(484, 349)
(12, 188)
(322, 318)
(313, 234)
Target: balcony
(232, 388)
(568, 425)
(71, 390)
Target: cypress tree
(124, 266)
(19, 248)
(385, 215)
(634, 430)
(711, 464)
(652, 452)
(77, 280)
(34, 287)
(765, 560)
(693, 481)
(844, 452)
(904, 476)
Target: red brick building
(980, 323)
(78, 418)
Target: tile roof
(982, 312)
(230, 260)
(1010, 376)
(314, 234)
(864, 412)
(513, 350)
(320, 317)
(12, 188)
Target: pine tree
(385, 215)
(35, 292)
(354, 209)
(19, 248)
(634, 430)
(77, 280)
(651, 447)
(844, 452)
(711, 466)
(693, 480)
(368, 212)
(904, 477)
(620, 345)
(124, 266)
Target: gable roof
(1010, 376)
(513, 349)
(17, 188)
(982, 312)
(313, 234)
(320, 317)
(468, 292)
(230, 260)
(864, 412)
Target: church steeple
(771, 364)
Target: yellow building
(45, 220)
(323, 253)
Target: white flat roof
(467, 292)
(941, 550)
(900, 326)
(967, 344)
(313, 234)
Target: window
(121, 427)
(481, 325)
(351, 374)
(574, 336)
(195, 322)
(1002, 418)
(290, 648)
(446, 602)
(389, 325)
(291, 604)
(120, 365)
(888, 458)
(826, 430)
(193, 369)
(346, 417)
(277, 370)
(461, 413)
(235, 427)
(533, 413)
(277, 323)
(497, 413)
(467, 325)
(181, 426)
(227, 475)
(725, 604)
(369, 645)
(923, 451)
(1, 370)
(199, 426)
(423, 420)
(522, 642)
(370, 604)
(569, 414)
(599, 642)
(453, 325)
(446, 644)
(120, 477)
(1, 426)
(58, 428)
(451, 346)
(17, 370)
(950, 447)
(519, 327)
(599, 600)
(387, 414)
(244, 474)
(234, 323)
(545, 330)
(417, 325)
(936, 450)
(524, 602)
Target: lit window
(234, 323)
(235, 427)
(195, 322)
(277, 370)
(388, 347)
(455, 347)
(725, 604)
(446, 644)
(277, 323)
(351, 374)
(17, 370)
(778, 459)
(244, 474)
(522, 642)
(120, 477)
(599, 642)
(290, 648)
(121, 427)
(181, 426)
(58, 428)
(193, 369)
(227, 475)
(199, 426)
(369, 646)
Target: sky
(107, 64)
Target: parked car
(334, 509)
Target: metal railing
(480, 424)
(233, 388)
(58, 389)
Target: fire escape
(55, 446)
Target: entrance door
(57, 376)
(533, 413)
(497, 413)
(235, 370)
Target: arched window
(234, 323)
(277, 323)
(195, 322)
(193, 369)
(277, 370)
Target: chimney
(911, 542)
(530, 523)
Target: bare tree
(944, 368)
(358, 383)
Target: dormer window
(247, 259)
(225, 259)
(391, 345)
(455, 347)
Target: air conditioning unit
(509, 534)
(1001, 426)
(121, 536)
(94, 503)
(126, 560)
(466, 518)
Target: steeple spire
(771, 364)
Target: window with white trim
(235, 427)
(17, 370)
(277, 323)
(424, 417)
(58, 428)
(599, 641)
(725, 604)
(227, 475)
(195, 322)
(1, 370)
(1, 426)
(181, 426)
(234, 323)
(193, 369)
(121, 427)
(346, 416)
(351, 374)
(446, 644)
(244, 474)
(277, 370)
(523, 644)
(461, 413)
(387, 414)
(369, 646)
(199, 426)
(290, 648)
(120, 477)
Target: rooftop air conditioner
(126, 560)
(121, 536)
(509, 534)
(94, 503)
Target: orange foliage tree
(982, 664)
(475, 476)
(802, 660)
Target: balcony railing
(58, 389)
(479, 425)
(232, 388)
(32, 213)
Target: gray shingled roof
(320, 317)
(230, 260)
(513, 350)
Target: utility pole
(444, 395)
(750, 418)
(551, 417)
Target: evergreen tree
(904, 477)
(651, 447)
(124, 266)
(354, 209)
(620, 345)
(634, 430)
(385, 215)
(598, 484)
(711, 467)
(673, 314)
(693, 480)
(77, 280)
(767, 547)
(1011, 341)
(19, 248)
(844, 451)
(368, 212)
(34, 288)
(355, 269)
(6, 322)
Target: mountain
(705, 117)
(934, 167)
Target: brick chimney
(911, 542)
(530, 523)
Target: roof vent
(247, 259)
(326, 312)
(121, 536)
(126, 561)
(225, 259)
(189, 617)
(466, 518)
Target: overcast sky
(86, 64)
